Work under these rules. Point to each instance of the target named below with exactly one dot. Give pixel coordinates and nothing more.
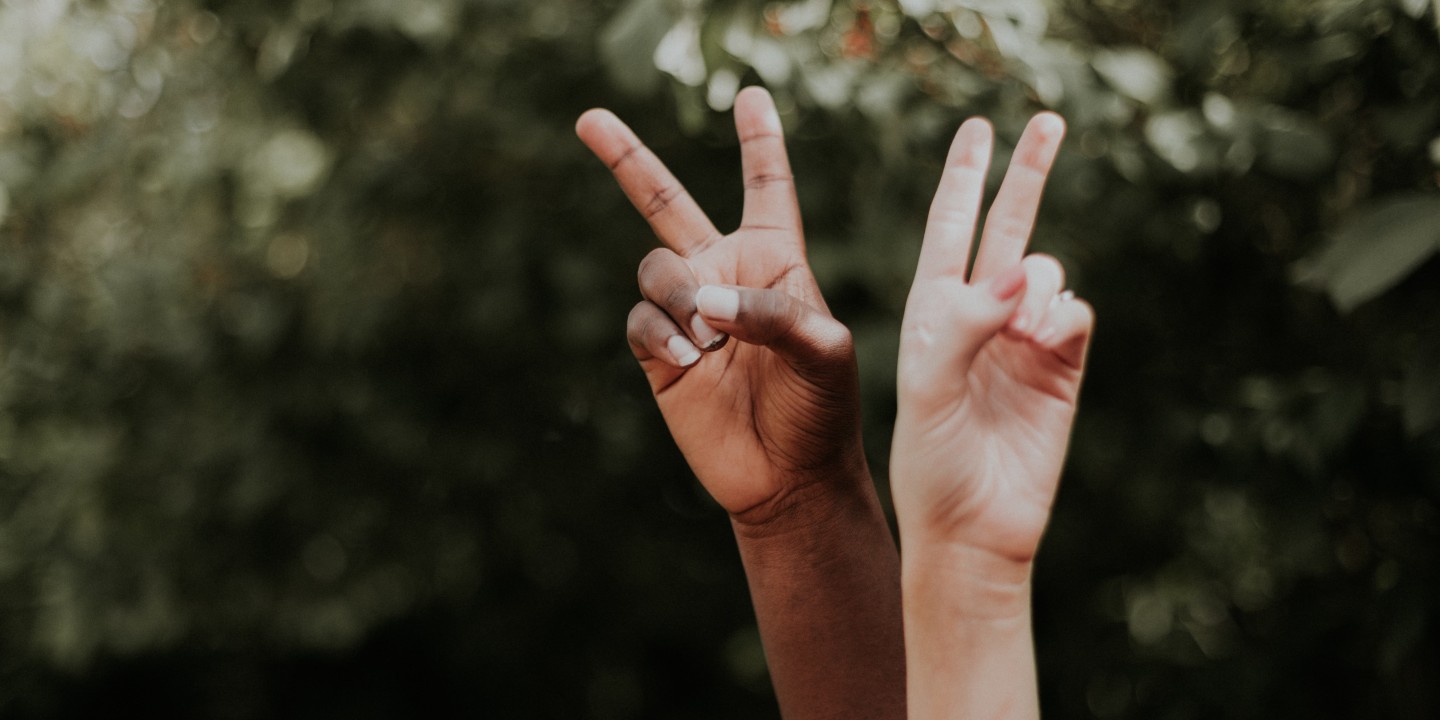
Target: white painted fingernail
(717, 302)
(705, 336)
(684, 352)
(1044, 335)
(1062, 297)
(1020, 323)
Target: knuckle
(834, 341)
(953, 218)
(1009, 225)
(666, 281)
(660, 199)
(760, 181)
(648, 327)
(652, 263)
(639, 322)
(678, 297)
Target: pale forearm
(825, 582)
(968, 635)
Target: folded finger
(653, 336)
(666, 280)
(1044, 279)
(675, 217)
(1067, 329)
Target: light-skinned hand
(990, 365)
(990, 360)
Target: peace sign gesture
(990, 364)
(770, 419)
(990, 369)
(766, 416)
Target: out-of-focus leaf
(679, 52)
(629, 41)
(1293, 145)
(766, 55)
(289, 164)
(1137, 73)
(917, 8)
(1376, 249)
(1179, 138)
(1414, 8)
(830, 86)
(721, 89)
(1014, 26)
(803, 16)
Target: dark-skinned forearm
(825, 581)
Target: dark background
(315, 401)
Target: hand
(990, 366)
(765, 418)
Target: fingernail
(705, 336)
(1008, 284)
(1020, 322)
(684, 352)
(720, 303)
(1044, 335)
(770, 119)
(1049, 124)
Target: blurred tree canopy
(314, 396)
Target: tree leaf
(1294, 145)
(1136, 73)
(1376, 249)
(628, 42)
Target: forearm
(968, 635)
(825, 581)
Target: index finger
(672, 213)
(951, 224)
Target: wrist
(810, 500)
(964, 582)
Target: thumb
(798, 332)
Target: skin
(990, 369)
(768, 417)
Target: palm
(990, 449)
(751, 423)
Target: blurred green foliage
(315, 399)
